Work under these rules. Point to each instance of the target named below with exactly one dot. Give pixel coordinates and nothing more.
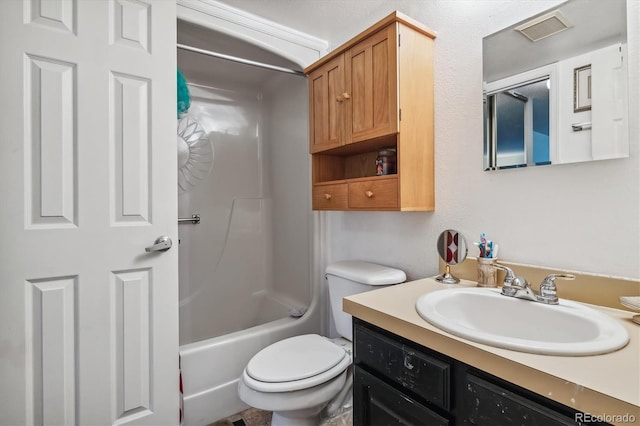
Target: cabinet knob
(327, 196)
(343, 97)
(369, 194)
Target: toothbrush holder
(487, 272)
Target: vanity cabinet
(374, 92)
(397, 381)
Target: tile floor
(255, 417)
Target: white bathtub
(211, 368)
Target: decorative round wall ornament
(195, 154)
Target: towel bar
(581, 126)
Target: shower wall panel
(247, 261)
(287, 130)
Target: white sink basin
(485, 316)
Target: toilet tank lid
(366, 272)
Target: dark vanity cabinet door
(406, 367)
(398, 382)
(377, 403)
(487, 403)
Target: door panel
(326, 109)
(372, 69)
(50, 318)
(130, 148)
(88, 320)
(609, 113)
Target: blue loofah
(184, 100)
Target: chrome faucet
(519, 287)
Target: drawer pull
(327, 196)
(407, 362)
(369, 194)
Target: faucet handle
(520, 283)
(548, 289)
(511, 284)
(509, 277)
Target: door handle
(162, 243)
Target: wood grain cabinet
(374, 92)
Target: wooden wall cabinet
(374, 92)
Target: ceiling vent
(544, 26)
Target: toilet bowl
(297, 377)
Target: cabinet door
(488, 403)
(403, 364)
(377, 403)
(326, 106)
(372, 86)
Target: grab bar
(194, 219)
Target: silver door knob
(162, 243)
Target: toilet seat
(295, 363)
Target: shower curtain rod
(240, 60)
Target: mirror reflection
(519, 120)
(555, 87)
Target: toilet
(297, 377)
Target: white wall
(583, 216)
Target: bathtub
(211, 368)
(247, 264)
(254, 204)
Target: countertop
(605, 385)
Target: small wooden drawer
(375, 193)
(410, 367)
(330, 197)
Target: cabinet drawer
(488, 403)
(411, 368)
(375, 193)
(330, 197)
(377, 403)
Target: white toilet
(296, 377)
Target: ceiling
(596, 24)
(335, 21)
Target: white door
(609, 110)
(88, 319)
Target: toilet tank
(355, 276)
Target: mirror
(562, 98)
(452, 248)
